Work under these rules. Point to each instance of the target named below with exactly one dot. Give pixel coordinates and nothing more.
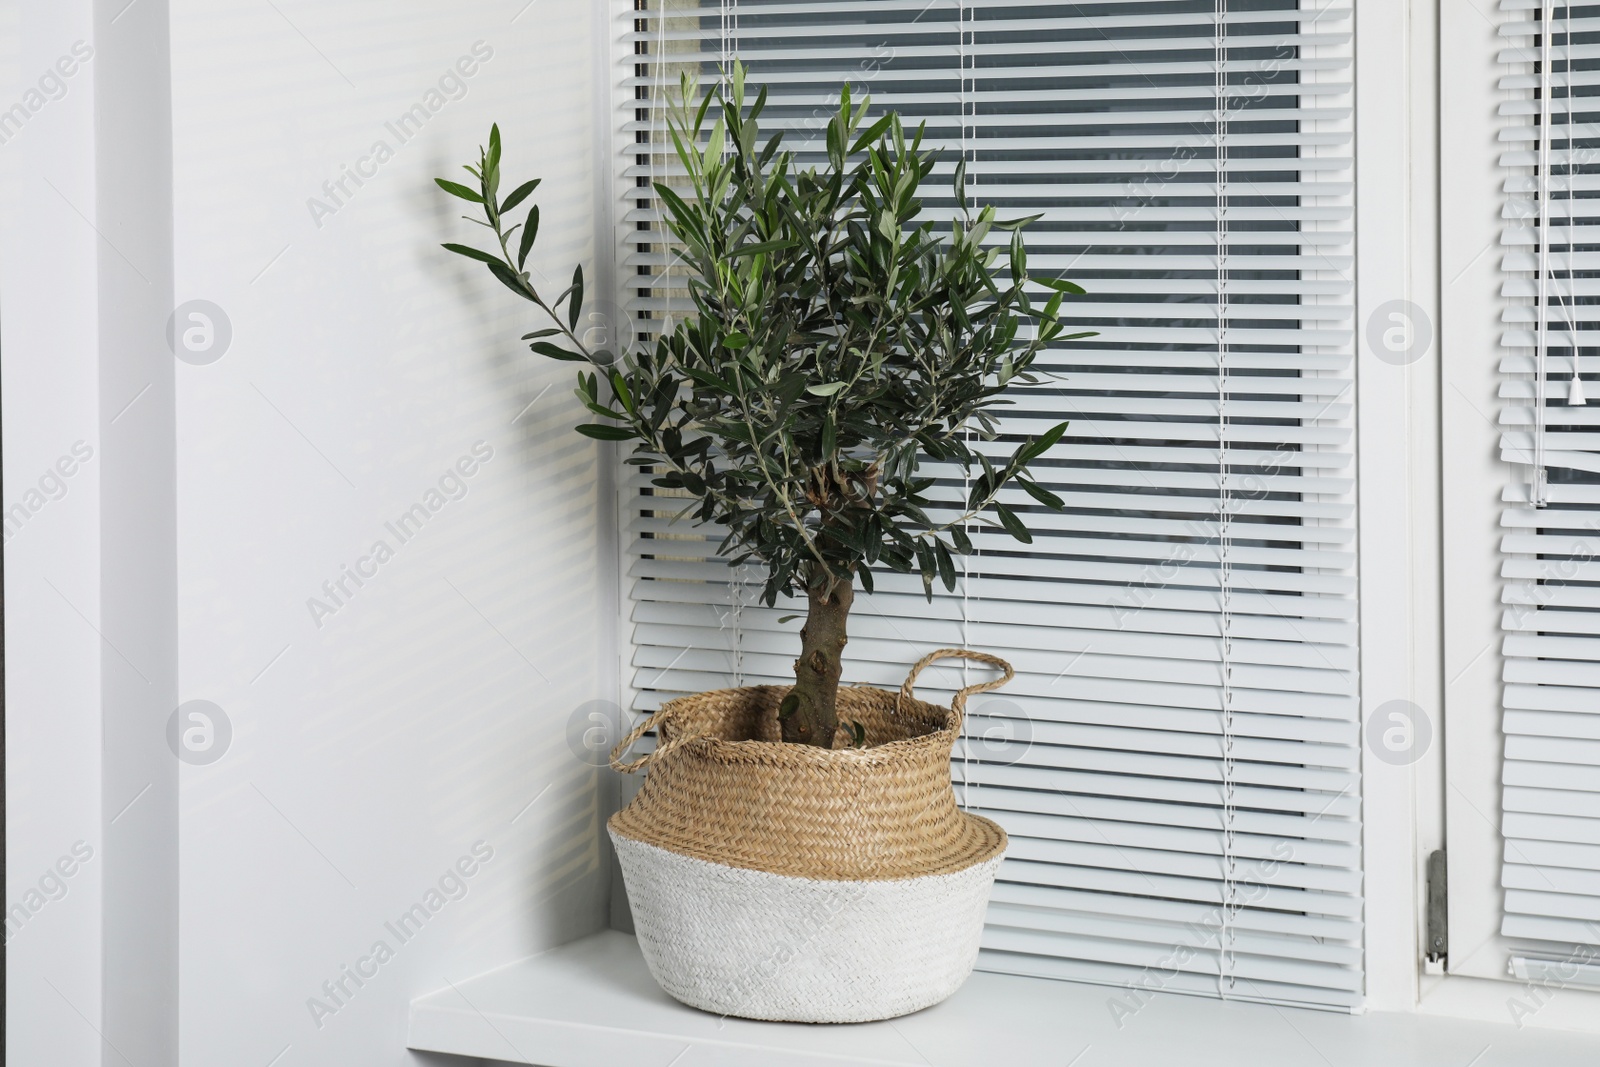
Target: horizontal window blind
(1177, 762)
(1550, 437)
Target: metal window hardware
(1438, 930)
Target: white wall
(424, 723)
(372, 752)
(138, 538)
(91, 606)
(49, 383)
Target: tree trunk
(809, 715)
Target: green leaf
(545, 348)
(619, 387)
(510, 280)
(788, 618)
(845, 535)
(872, 133)
(1060, 285)
(826, 390)
(575, 305)
(472, 253)
(735, 341)
(519, 194)
(675, 206)
(1041, 444)
(1017, 224)
(717, 141)
(764, 246)
(983, 485)
(539, 333)
(1041, 494)
(710, 381)
(927, 565)
(605, 433)
(947, 566)
(735, 431)
(786, 392)
(687, 91)
(457, 189)
(529, 231)
(1013, 525)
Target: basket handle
(654, 722)
(958, 705)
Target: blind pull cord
(1539, 492)
(1575, 395)
(1226, 976)
(963, 30)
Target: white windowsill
(592, 1003)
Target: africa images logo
(452, 85)
(451, 486)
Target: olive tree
(840, 342)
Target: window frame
(1410, 112)
(1458, 804)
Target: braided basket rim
(779, 753)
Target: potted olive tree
(796, 852)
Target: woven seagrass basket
(782, 881)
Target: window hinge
(1438, 931)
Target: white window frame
(1409, 417)
(1471, 307)
(1397, 458)
(1455, 794)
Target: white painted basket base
(771, 946)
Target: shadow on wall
(390, 709)
(440, 1059)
